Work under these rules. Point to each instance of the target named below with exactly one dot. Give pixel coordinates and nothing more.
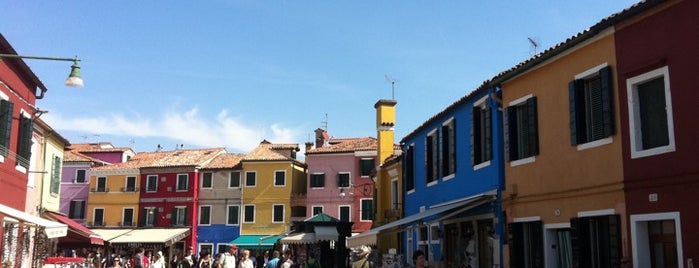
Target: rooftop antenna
(133, 143)
(393, 84)
(534, 44)
(324, 124)
(84, 137)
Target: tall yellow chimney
(385, 122)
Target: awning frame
(370, 237)
(51, 228)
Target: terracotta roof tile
(177, 158)
(97, 147)
(227, 160)
(73, 156)
(269, 151)
(345, 145)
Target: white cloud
(188, 126)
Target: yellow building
(274, 186)
(114, 194)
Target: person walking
(245, 261)
(272, 263)
(286, 259)
(206, 261)
(419, 259)
(228, 259)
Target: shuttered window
(526, 241)
(409, 168)
(522, 137)
(318, 180)
(591, 107)
(448, 148)
(6, 109)
(481, 134)
(596, 241)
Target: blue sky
(232, 73)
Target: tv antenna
(534, 44)
(324, 124)
(393, 85)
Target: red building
(169, 190)
(19, 87)
(658, 64)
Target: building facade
(220, 203)
(657, 67)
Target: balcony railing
(100, 190)
(129, 189)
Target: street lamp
(74, 79)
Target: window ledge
(481, 165)
(653, 151)
(523, 161)
(449, 177)
(594, 144)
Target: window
(149, 216)
(481, 133)
(24, 142)
(317, 180)
(366, 165)
(233, 215)
(98, 217)
(345, 213)
(596, 241)
(179, 216)
(56, 175)
(279, 178)
(204, 215)
(152, 183)
(249, 214)
(317, 210)
(526, 244)
(650, 113)
(367, 208)
(6, 109)
(77, 209)
(591, 112)
(431, 154)
(80, 176)
(131, 184)
(101, 185)
(250, 179)
(522, 138)
(127, 217)
(207, 180)
(277, 213)
(409, 166)
(448, 148)
(234, 180)
(343, 179)
(182, 182)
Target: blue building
(453, 176)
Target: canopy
(81, 233)
(167, 236)
(444, 210)
(256, 241)
(299, 238)
(53, 229)
(109, 234)
(326, 233)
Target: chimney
(309, 146)
(385, 122)
(321, 137)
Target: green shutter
(6, 109)
(515, 241)
(510, 133)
